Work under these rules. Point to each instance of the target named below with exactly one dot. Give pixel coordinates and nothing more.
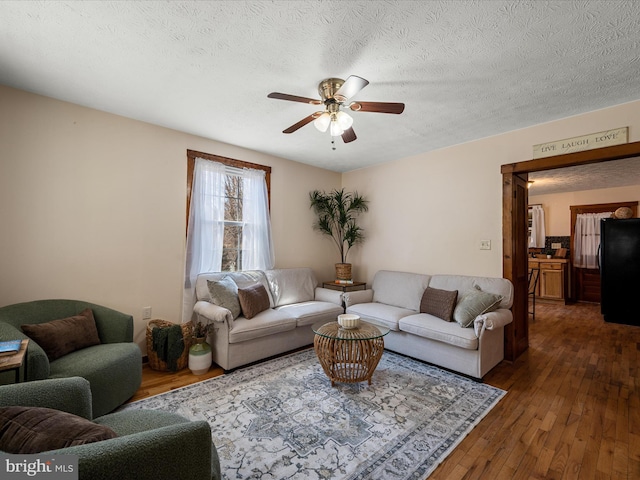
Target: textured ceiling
(617, 173)
(464, 69)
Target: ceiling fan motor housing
(328, 87)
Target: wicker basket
(154, 362)
(343, 271)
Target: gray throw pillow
(439, 303)
(475, 302)
(224, 293)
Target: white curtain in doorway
(587, 239)
(538, 234)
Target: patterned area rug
(281, 419)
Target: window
(228, 225)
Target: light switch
(485, 244)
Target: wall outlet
(485, 244)
(146, 313)
(556, 245)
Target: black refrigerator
(620, 270)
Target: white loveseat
(296, 302)
(394, 301)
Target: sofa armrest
(71, 394)
(177, 451)
(328, 295)
(212, 312)
(113, 326)
(359, 296)
(492, 320)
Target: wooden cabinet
(553, 283)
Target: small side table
(349, 355)
(345, 287)
(15, 361)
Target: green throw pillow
(475, 302)
(224, 293)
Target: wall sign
(607, 138)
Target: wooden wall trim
(513, 256)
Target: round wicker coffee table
(349, 355)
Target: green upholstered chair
(113, 368)
(151, 444)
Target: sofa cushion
(475, 302)
(462, 283)
(439, 303)
(253, 300)
(60, 337)
(291, 285)
(399, 289)
(428, 326)
(265, 323)
(30, 430)
(308, 313)
(380, 314)
(224, 293)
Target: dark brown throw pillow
(439, 303)
(253, 300)
(28, 430)
(66, 335)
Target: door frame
(514, 256)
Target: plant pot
(200, 357)
(343, 271)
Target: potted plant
(337, 213)
(200, 352)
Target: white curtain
(587, 239)
(538, 233)
(257, 245)
(206, 227)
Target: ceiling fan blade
(377, 107)
(294, 98)
(350, 87)
(349, 135)
(302, 123)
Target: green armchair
(151, 444)
(113, 368)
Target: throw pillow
(60, 337)
(224, 293)
(475, 302)
(253, 300)
(28, 430)
(439, 303)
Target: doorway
(514, 229)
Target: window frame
(229, 162)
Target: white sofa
(394, 301)
(296, 303)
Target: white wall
(429, 212)
(557, 214)
(92, 207)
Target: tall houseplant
(337, 213)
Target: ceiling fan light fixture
(322, 122)
(344, 120)
(335, 129)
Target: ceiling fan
(335, 94)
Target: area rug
(281, 419)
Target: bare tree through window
(233, 221)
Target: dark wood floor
(572, 408)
